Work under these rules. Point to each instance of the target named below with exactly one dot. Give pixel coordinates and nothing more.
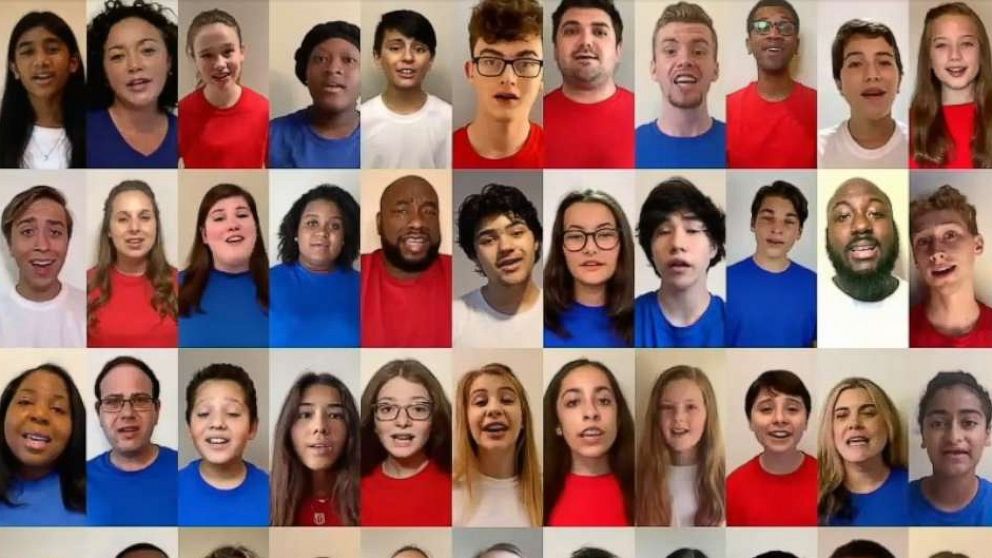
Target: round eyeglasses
(604, 239)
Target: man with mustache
(864, 304)
(589, 120)
(406, 284)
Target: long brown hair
(654, 458)
(201, 261)
(526, 466)
(201, 20)
(158, 271)
(930, 142)
(291, 480)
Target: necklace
(58, 142)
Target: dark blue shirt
(657, 150)
(145, 497)
(231, 315)
(766, 309)
(203, 505)
(314, 309)
(106, 148)
(587, 326)
(39, 503)
(652, 328)
(294, 145)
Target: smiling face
(133, 228)
(869, 77)
(129, 431)
(682, 418)
(776, 227)
(43, 63)
(506, 97)
(39, 241)
(38, 423)
(955, 432)
(681, 251)
(591, 266)
(773, 51)
(586, 47)
(408, 224)
(402, 437)
(861, 236)
(955, 52)
(230, 233)
(320, 431)
(136, 62)
(944, 250)
(494, 413)
(859, 429)
(219, 55)
(220, 423)
(587, 412)
(684, 63)
(778, 420)
(320, 236)
(505, 249)
(333, 74)
(404, 60)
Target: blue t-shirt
(39, 503)
(588, 326)
(106, 148)
(978, 512)
(652, 328)
(886, 506)
(294, 145)
(111, 494)
(657, 150)
(203, 505)
(231, 315)
(766, 309)
(314, 309)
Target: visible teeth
(779, 434)
(38, 438)
(684, 79)
(217, 440)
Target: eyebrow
(387, 398)
(593, 24)
(142, 41)
(492, 230)
(212, 47)
(221, 209)
(45, 41)
(35, 392)
(968, 36)
(861, 53)
(770, 212)
(870, 201)
(599, 226)
(34, 220)
(858, 406)
(597, 389)
(498, 54)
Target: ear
(203, 235)
(73, 64)
(837, 83)
(716, 71)
(800, 233)
(13, 70)
(253, 431)
(651, 69)
(378, 223)
(619, 50)
(747, 45)
(558, 431)
(979, 245)
(468, 70)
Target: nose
(860, 221)
(127, 409)
(590, 411)
(40, 414)
(408, 53)
(403, 418)
(42, 243)
(133, 63)
(872, 71)
(320, 423)
(678, 237)
(217, 421)
(508, 76)
(779, 415)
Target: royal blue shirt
(145, 497)
(978, 512)
(231, 315)
(203, 505)
(657, 150)
(766, 309)
(652, 328)
(886, 506)
(106, 148)
(39, 503)
(314, 309)
(294, 145)
(588, 326)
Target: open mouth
(36, 441)
(857, 441)
(780, 434)
(414, 243)
(217, 441)
(678, 432)
(235, 239)
(863, 249)
(134, 242)
(43, 78)
(592, 433)
(775, 49)
(585, 56)
(956, 71)
(138, 83)
(406, 73)
(943, 271)
(495, 428)
(333, 87)
(873, 93)
(128, 430)
(774, 242)
(509, 264)
(678, 264)
(506, 96)
(321, 448)
(685, 79)
(220, 77)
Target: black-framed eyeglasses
(138, 401)
(764, 27)
(415, 411)
(604, 239)
(494, 66)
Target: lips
(873, 92)
(943, 271)
(506, 96)
(676, 432)
(415, 242)
(217, 442)
(585, 56)
(678, 264)
(864, 249)
(857, 441)
(321, 448)
(685, 79)
(592, 433)
(406, 73)
(43, 78)
(234, 239)
(956, 71)
(134, 242)
(780, 434)
(36, 441)
(509, 264)
(496, 428)
(138, 84)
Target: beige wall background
(72, 11)
(200, 542)
(382, 543)
(374, 183)
(253, 18)
(561, 542)
(747, 542)
(741, 68)
(925, 542)
(658, 542)
(895, 540)
(304, 542)
(15, 361)
(98, 542)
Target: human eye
(841, 216)
(766, 409)
(669, 51)
(600, 32)
(571, 402)
(605, 400)
(335, 413)
(202, 413)
(304, 414)
(421, 49)
(663, 230)
(508, 399)
(480, 400)
(116, 57)
(57, 233)
(607, 234)
(854, 63)
(26, 232)
(60, 409)
(951, 235)
(568, 30)
(841, 414)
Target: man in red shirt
(589, 120)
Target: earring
(558, 430)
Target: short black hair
(122, 360)
(493, 200)
(772, 4)
(410, 548)
(140, 546)
(289, 248)
(777, 381)
(605, 5)
(320, 33)
(864, 28)
(776, 554)
(674, 195)
(860, 548)
(687, 553)
(945, 380)
(592, 552)
(407, 23)
(786, 191)
(223, 371)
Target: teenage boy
(405, 127)
(771, 300)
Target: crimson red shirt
(589, 135)
(595, 501)
(317, 512)
(960, 121)
(530, 156)
(758, 498)
(128, 318)
(923, 334)
(771, 135)
(423, 500)
(231, 138)
(406, 313)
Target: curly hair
(946, 197)
(289, 249)
(497, 21)
(494, 200)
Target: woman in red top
(588, 448)
(951, 113)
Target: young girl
(43, 450)
(680, 466)
(222, 124)
(862, 455)
(954, 418)
(132, 288)
(42, 116)
(497, 476)
(588, 448)
(315, 455)
(406, 448)
(221, 488)
(589, 277)
(951, 113)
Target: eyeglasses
(416, 411)
(493, 66)
(604, 239)
(138, 401)
(764, 27)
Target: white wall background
(561, 542)
(747, 542)
(894, 539)
(625, 70)
(374, 183)
(253, 19)
(658, 542)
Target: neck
(322, 483)
(851, 287)
(684, 307)
(590, 295)
(32, 473)
(232, 268)
(405, 467)
(136, 460)
(511, 299)
(781, 463)
(953, 310)
(222, 98)
(38, 295)
(131, 266)
(684, 122)
(401, 274)
(871, 133)
(684, 458)
(224, 475)
(590, 466)
(950, 493)
(866, 476)
(950, 96)
(497, 139)
(47, 111)
(137, 118)
(404, 101)
(589, 93)
(333, 125)
(497, 464)
(775, 86)
(773, 265)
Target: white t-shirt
(844, 322)
(421, 140)
(47, 149)
(836, 149)
(498, 504)
(476, 324)
(60, 322)
(682, 491)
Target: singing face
(133, 227)
(230, 233)
(859, 428)
(684, 63)
(955, 432)
(320, 236)
(38, 423)
(221, 424)
(39, 242)
(682, 417)
(219, 55)
(43, 64)
(778, 420)
(505, 249)
(136, 62)
(681, 250)
(320, 431)
(494, 413)
(128, 430)
(403, 411)
(587, 412)
(955, 51)
(593, 263)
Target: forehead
(322, 206)
(43, 208)
(215, 34)
(335, 44)
(589, 214)
(954, 398)
(37, 35)
(125, 376)
(227, 204)
(685, 31)
(767, 393)
(391, 34)
(773, 13)
(490, 382)
(46, 382)
(681, 215)
(499, 221)
(776, 204)
(938, 217)
(130, 26)
(953, 25)
(526, 46)
(853, 396)
(683, 388)
(402, 388)
(321, 393)
(409, 189)
(585, 377)
(856, 192)
(586, 16)
(869, 46)
(131, 197)
(220, 389)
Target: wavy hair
(289, 249)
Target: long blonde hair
(526, 465)
(834, 499)
(654, 458)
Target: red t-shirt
(530, 156)
(596, 135)
(231, 138)
(405, 313)
(758, 498)
(590, 502)
(317, 512)
(960, 121)
(771, 135)
(923, 334)
(423, 500)
(128, 318)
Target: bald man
(863, 304)
(406, 284)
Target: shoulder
(437, 104)
(646, 301)
(800, 270)
(253, 97)
(739, 95)
(744, 473)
